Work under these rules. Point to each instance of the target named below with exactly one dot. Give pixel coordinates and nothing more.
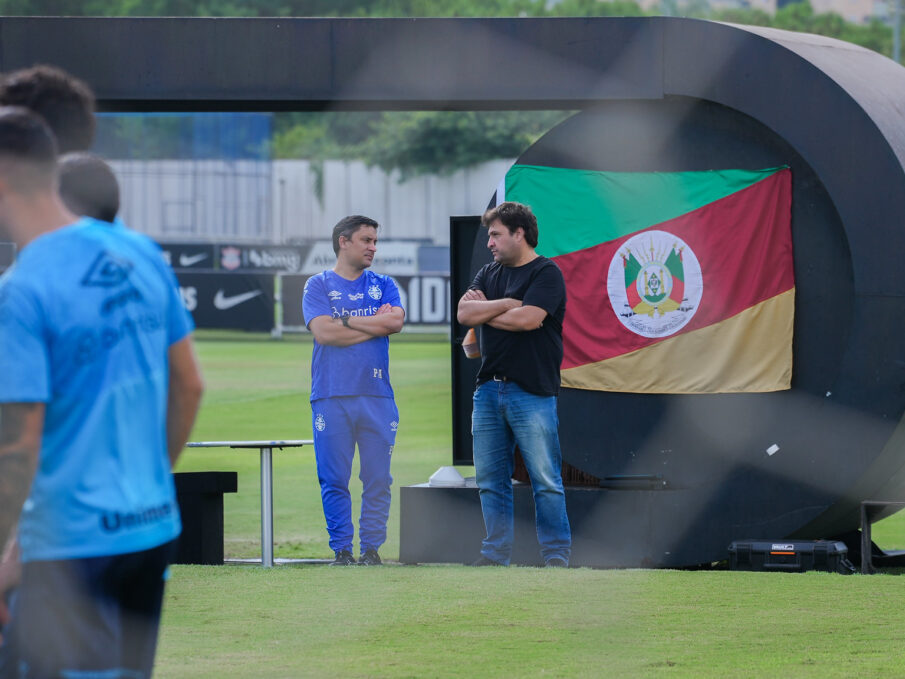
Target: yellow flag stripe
(748, 352)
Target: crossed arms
(503, 314)
(331, 331)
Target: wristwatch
(346, 321)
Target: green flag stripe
(578, 209)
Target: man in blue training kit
(98, 394)
(351, 312)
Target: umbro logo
(335, 294)
(107, 271)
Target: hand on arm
(545, 291)
(475, 309)
(21, 426)
(521, 319)
(331, 331)
(184, 396)
(387, 321)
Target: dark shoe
(556, 562)
(370, 558)
(484, 561)
(343, 558)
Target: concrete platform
(610, 528)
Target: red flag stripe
(743, 243)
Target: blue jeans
(505, 415)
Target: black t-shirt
(531, 358)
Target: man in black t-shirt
(520, 302)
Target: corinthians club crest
(655, 284)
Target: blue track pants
(339, 424)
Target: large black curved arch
(709, 450)
(839, 107)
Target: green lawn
(424, 621)
(259, 390)
(452, 621)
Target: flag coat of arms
(677, 282)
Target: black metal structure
(832, 110)
(465, 256)
(200, 498)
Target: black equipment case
(789, 556)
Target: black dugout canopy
(838, 105)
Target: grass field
(403, 621)
(258, 389)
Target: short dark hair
(347, 226)
(27, 140)
(88, 186)
(514, 216)
(65, 102)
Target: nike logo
(222, 302)
(191, 260)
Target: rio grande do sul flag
(677, 282)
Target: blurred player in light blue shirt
(88, 186)
(99, 387)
